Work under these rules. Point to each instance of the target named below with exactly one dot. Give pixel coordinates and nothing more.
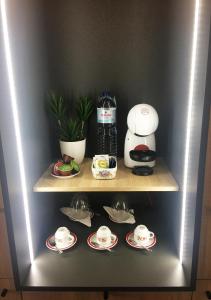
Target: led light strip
(189, 125)
(13, 98)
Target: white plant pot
(74, 149)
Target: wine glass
(120, 206)
(80, 206)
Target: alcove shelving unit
(143, 51)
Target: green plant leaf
(72, 130)
(69, 129)
(57, 106)
(84, 108)
(75, 165)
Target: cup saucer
(92, 242)
(130, 240)
(50, 243)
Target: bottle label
(106, 116)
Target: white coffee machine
(142, 122)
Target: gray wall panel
(29, 62)
(180, 48)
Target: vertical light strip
(13, 98)
(189, 124)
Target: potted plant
(71, 131)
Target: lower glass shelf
(125, 267)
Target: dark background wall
(119, 45)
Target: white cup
(63, 238)
(103, 236)
(142, 235)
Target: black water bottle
(106, 125)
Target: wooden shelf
(125, 181)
